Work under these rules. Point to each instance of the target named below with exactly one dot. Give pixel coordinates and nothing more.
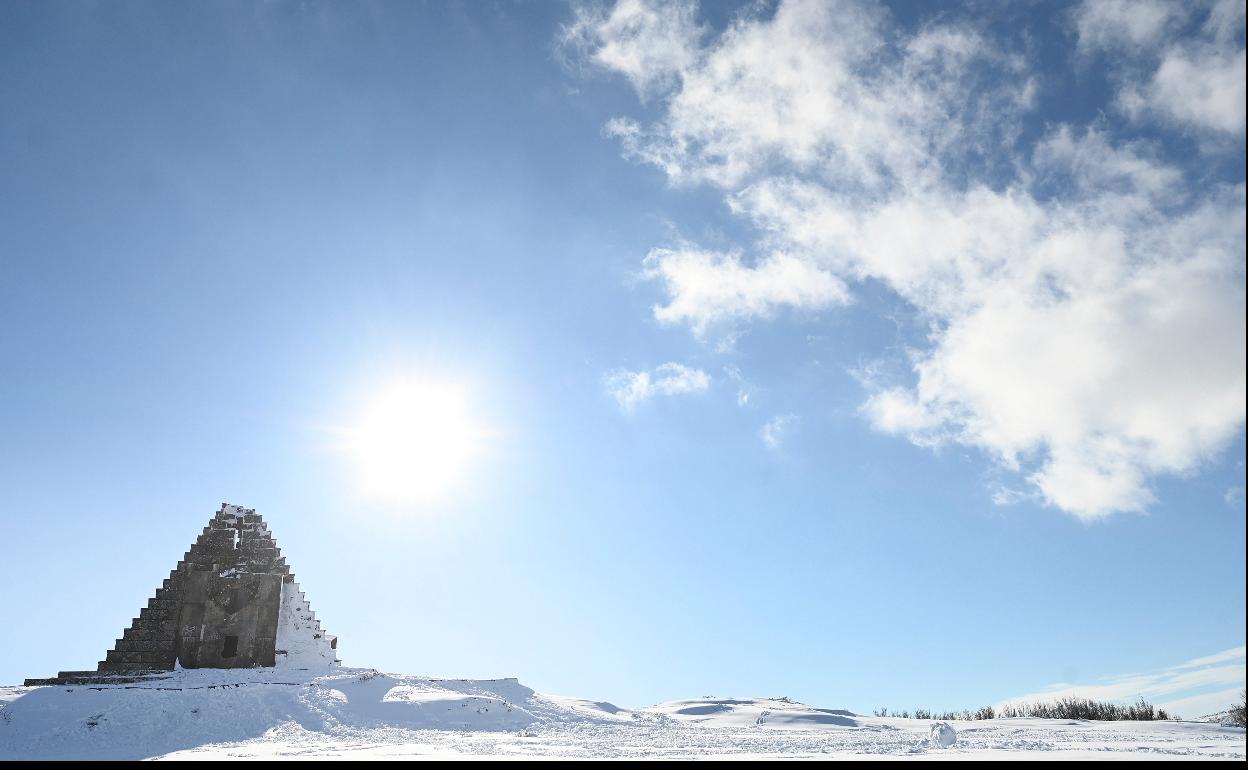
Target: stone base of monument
(98, 677)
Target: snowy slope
(339, 712)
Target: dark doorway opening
(230, 648)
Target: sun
(414, 440)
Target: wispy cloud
(745, 390)
(1233, 654)
(774, 430)
(630, 388)
(1198, 687)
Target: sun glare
(414, 441)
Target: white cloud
(805, 88)
(1233, 654)
(1086, 314)
(1202, 86)
(670, 379)
(1195, 80)
(1132, 23)
(707, 287)
(774, 430)
(1193, 689)
(648, 42)
(1094, 164)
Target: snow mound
(593, 709)
(1222, 718)
(942, 735)
(757, 712)
(192, 708)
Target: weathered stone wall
(215, 608)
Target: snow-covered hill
(343, 712)
(1221, 718)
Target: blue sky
(865, 355)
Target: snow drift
(329, 711)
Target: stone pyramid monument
(230, 603)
